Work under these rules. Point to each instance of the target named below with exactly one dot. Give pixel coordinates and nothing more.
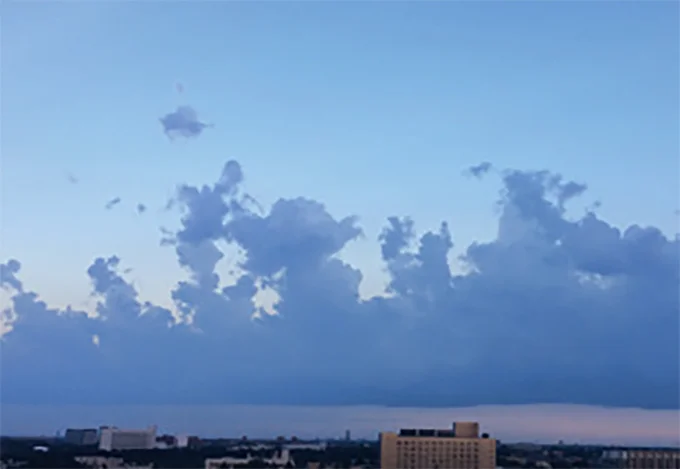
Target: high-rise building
(115, 439)
(348, 435)
(458, 448)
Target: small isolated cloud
(112, 203)
(594, 206)
(183, 122)
(479, 170)
(141, 208)
(8, 277)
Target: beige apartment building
(458, 448)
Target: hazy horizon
(528, 423)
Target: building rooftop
(457, 430)
(427, 432)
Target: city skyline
(400, 204)
(543, 424)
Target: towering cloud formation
(552, 310)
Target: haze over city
(404, 205)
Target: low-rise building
(166, 442)
(81, 436)
(103, 462)
(99, 462)
(643, 458)
(321, 446)
(279, 459)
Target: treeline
(60, 455)
(21, 450)
(340, 456)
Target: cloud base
(553, 310)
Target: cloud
(8, 278)
(183, 122)
(480, 169)
(554, 309)
(71, 178)
(112, 203)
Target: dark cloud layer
(552, 310)
(183, 122)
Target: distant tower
(348, 435)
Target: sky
(410, 204)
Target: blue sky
(374, 109)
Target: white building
(99, 462)
(115, 439)
(281, 459)
(182, 441)
(307, 446)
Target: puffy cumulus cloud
(183, 122)
(48, 352)
(553, 309)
